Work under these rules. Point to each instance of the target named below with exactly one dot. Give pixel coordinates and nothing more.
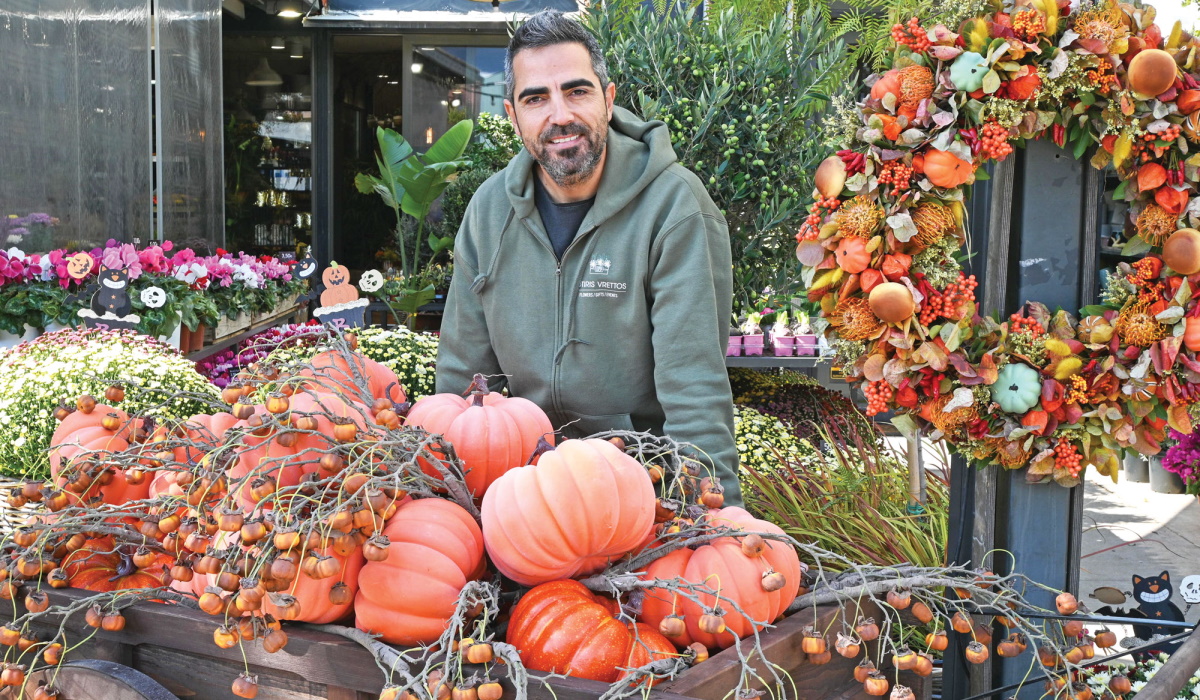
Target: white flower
(371, 281)
(1138, 685)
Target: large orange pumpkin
(201, 432)
(333, 372)
(436, 547)
(740, 578)
(563, 627)
(944, 169)
(100, 565)
(82, 435)
(490, 433)
(582, 505)
(313, 594)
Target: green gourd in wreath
(1018, 387)
(967, 71)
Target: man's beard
(572, 165)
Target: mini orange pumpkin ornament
(852, 255)
(944, 169)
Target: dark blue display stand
(1035, 232)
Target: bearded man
(593, 274)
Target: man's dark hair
(547, 28)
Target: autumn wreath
(1049, 389)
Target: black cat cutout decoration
(111, 307)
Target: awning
(466, 15)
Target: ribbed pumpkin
(563, 627)
(331, 372)
(436, 547)
(722, 563)
(1191, 333)
(100, 566)
(313, 594)
(265, 456)
(81, 434)
(203, 431)
(490, 433)
(582, 505)
(944, 169)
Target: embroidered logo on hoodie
(599, 266)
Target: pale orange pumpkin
(490, 433)
(892, 302)
(946, 170)
(740, 576)
(436, 547)
(1191, 334)
(583, 504)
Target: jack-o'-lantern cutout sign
(79, 265)
(1096, 78)
(338, 289)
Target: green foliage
(797, 400)
(495, 143)
(409, 182)
(740, 94)
(763, 440)
(458, 195)
(36, 376)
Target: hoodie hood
(639, 151)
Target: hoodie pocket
(580, 425)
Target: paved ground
(1162, 532)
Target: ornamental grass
(850, 497)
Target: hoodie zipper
(558, 310)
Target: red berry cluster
(948, 303)
(1019, 323)
(912, 36)
(995, 141)
(1066, 456)
(817, 212)
(1028, 24)
(896, 174)
(878, 394)
(1168, 134)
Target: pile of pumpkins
(286, 507)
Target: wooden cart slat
(173, 645)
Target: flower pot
(1163, 481)
(196, 339)
(806, 345)
(752, 344)
(734, 348)
(54, 327)
(783, 345)
(8, 340)
(1137, 469)
(174, 339)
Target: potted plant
(409, 183)
(806, 340)
(752, 335)
(734, 347)
(783, 342)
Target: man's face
(560, 110)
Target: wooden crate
(173, 645)
(228, 326)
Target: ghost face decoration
(79, 265)
(1189, 588)
(338, 289)
(154, 297)
(371, 281)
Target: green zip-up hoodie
(628, 331)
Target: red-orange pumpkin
(99, 565)
(888, 83)
(723, 564)
(436, 547)
(944, 169)
(583, 504)
(1191, 333)
(490, 433)
(852, 255)
(563, 627)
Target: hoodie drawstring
(481, 279)
(587, 255)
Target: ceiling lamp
(297, 48)
(417, 67)
(291, 9)
(263, 76)
(278, 43)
